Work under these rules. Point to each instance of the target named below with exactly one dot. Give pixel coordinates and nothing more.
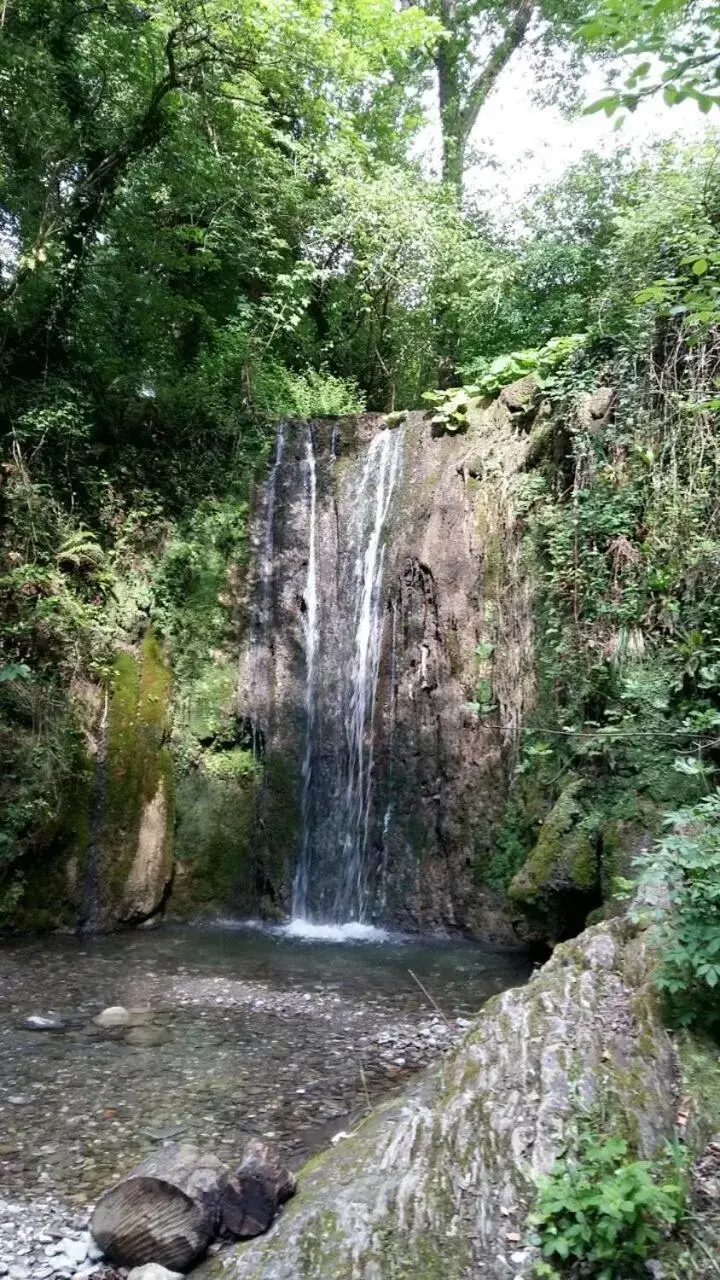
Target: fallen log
(263, 1182)
(166, 1210)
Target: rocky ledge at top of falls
(439, 1184)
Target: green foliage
(41, 751)
(602, 1213)
(620, 515)
(190, 579)
(674, 44)
(490, 376)
(680, 875)
(541, 362)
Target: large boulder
(439, 1183)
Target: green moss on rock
(134, 772)
(562, 871)
(215, 805)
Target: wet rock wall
(453, 674)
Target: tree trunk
(166, 1210)
(447, 65)
(461, 98)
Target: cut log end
(144, 1219)
(166, 1210)
(169, 1208)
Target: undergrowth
(602, 1213)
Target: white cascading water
(372, 509)
(333, 885)
(311, 637)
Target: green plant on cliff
(621, 519)
(602, 1214)
(679, 887)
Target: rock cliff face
(439, 1183)
(389, 663)
(111, 861)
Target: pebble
(43, 1241)
(38, 1022)
(114, 1016)
(153, 1271)
(75, 1251)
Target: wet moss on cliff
(281, 832)
(215, 807)
(134, 766)
(137, 758)
(560, 883)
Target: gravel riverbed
(239, 1034)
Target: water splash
(351, 931)
(311, 638)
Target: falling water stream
(371, 514)
(310, 631)
(348, 898)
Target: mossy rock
(560, 882)
(128, 860)
(215, 809)
(437, 1185)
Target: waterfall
(311, 636)
(352, 892)
(333, 880)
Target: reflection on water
(265, 1032)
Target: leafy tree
(479, 39)
(674, 44)
(159, 139)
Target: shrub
(680, 882)
(602, 1213)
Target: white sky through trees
(520, 144)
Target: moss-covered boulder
(560, 883)
(127, 866)
(438, 1184)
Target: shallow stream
(263, 1033)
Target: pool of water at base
(258, 1032)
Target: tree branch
(512, 38)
